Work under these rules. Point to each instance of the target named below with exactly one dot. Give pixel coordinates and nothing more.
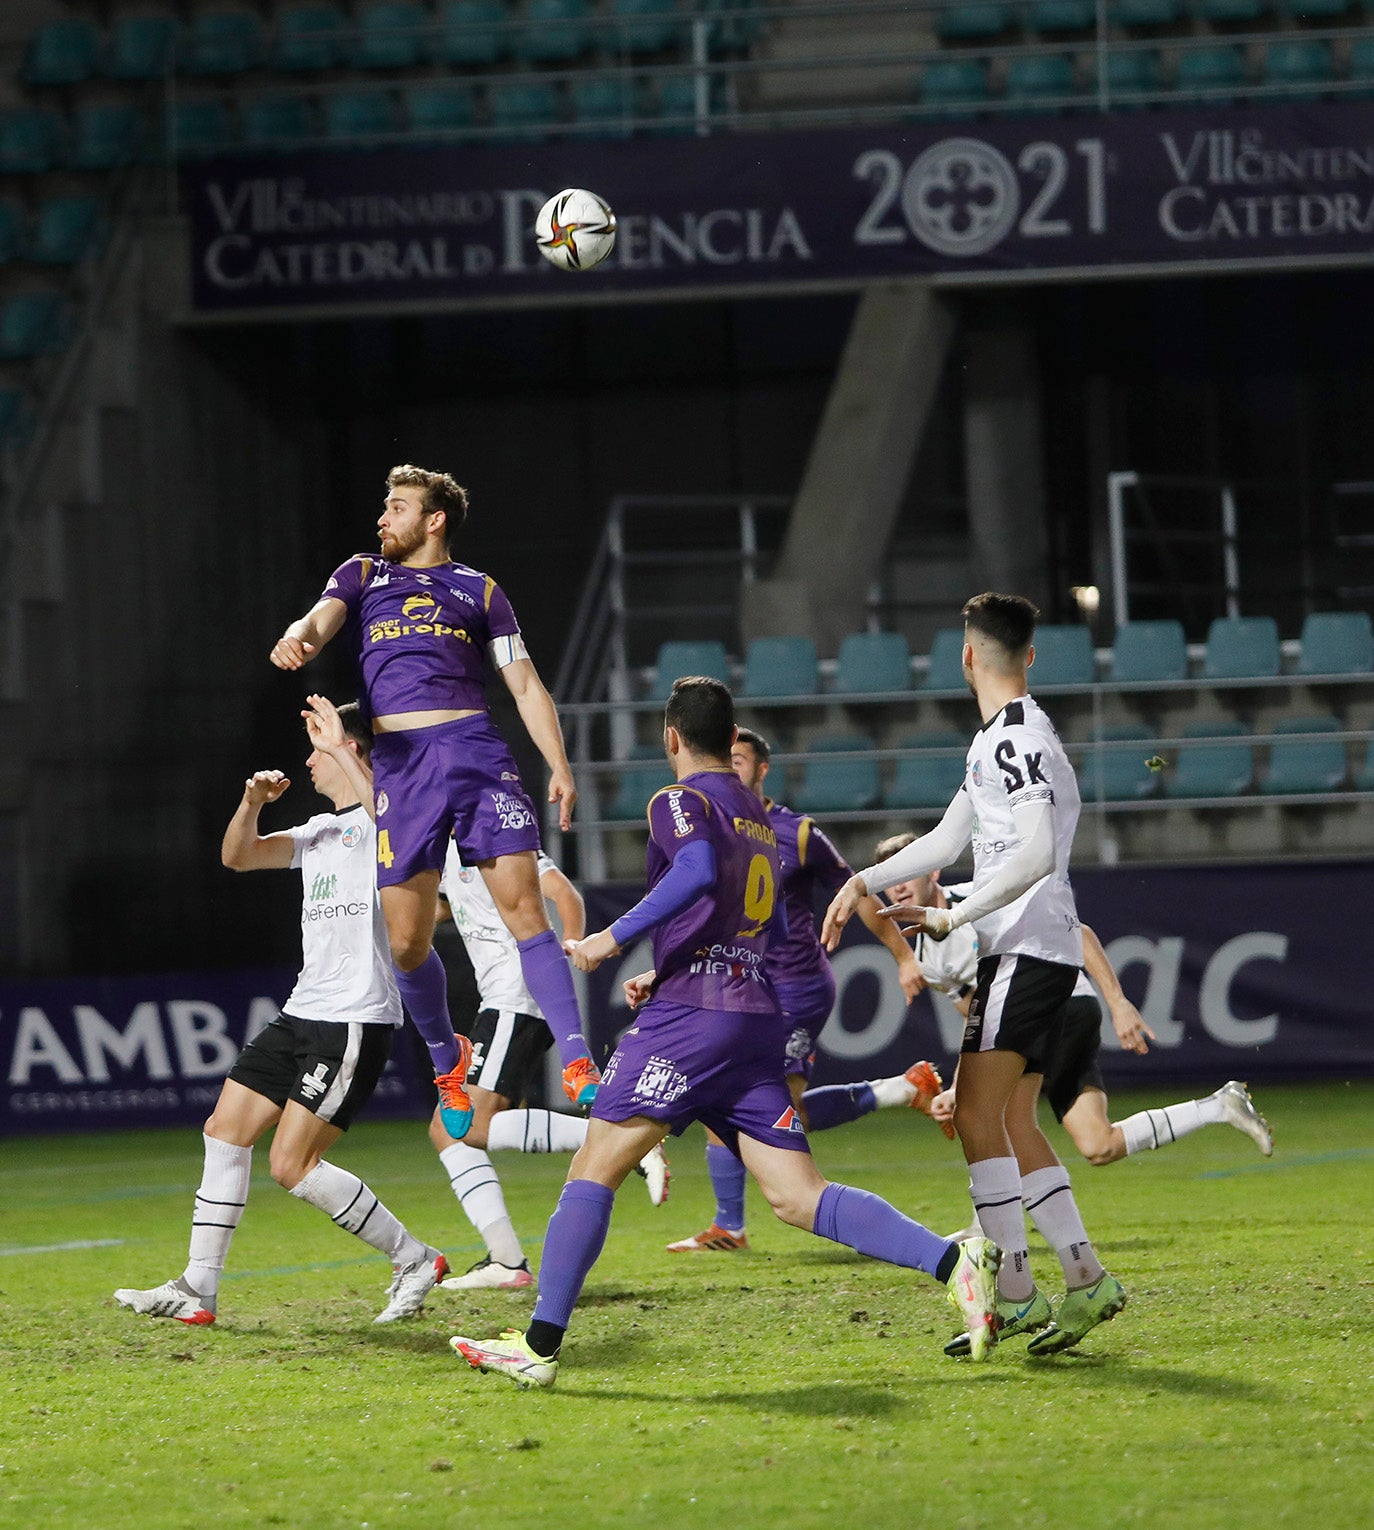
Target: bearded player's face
(402, 524)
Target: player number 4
(385, 854)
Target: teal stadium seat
(675, 103)
(1125, 777)
(390, 35)
(31, 141)
(1363, 780)
(106, 135)
(734, 27)
(1337, 643)
(554, 31)
(220, 43)
(524, 110)
(276, 121)
(956, 85)
(972, 23)
(471, 33)
(13, 219)
(645, 26)
(1305, 765)
(63, 52)
(1040, 77)
(1146, 15)
(781, 666)
(1051, 17)
(358, 117)
(67, 230)
(1361, 66)
(638, 782)
(1302, 65)
(438, 110)
(928, 780)
(838, 786)
(14, 413)
(1063, 656)
(310, 39)
(1333, 12)
(198, 129)
(1213, 770)
(1241, 648)
(678, 659)
(946, 671)
(141, 48)
(1209, 74)
(1149, 651)
(34, 324)
(1133, 73)
(602, 105)
(1236, 12)
(873, 661)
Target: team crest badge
(383, 803)
(977, 772)
(352, 835)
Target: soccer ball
(575, 230)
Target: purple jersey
(424, 632)
(809, 862)
(710, 956)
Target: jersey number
(385, 854)
(759, 891)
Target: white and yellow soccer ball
(575, 230)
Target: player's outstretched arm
(540, 718)
(243, 848)
(887, 931)
(1131, 1030)
(304, 638)
(326, 730)
(693, 871)
(572, 911)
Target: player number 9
(758, 890)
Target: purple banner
(1252, 972)
(100, 1053)
(1164, 191)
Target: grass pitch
(795, 1385)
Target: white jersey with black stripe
(1016, 758)
(490, 945)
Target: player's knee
(289, 1169)
(1100, 1151)
(797, 1210)
(437, 1135)
(408, 949)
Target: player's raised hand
(564, 793)
(291, 652)
(638, 988)
(587, 955)
(323, 723)
(1131, 1030)
(934, 922)
(264, 786)
(843, 906)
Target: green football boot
(1081, 1310)
(1016, 1317)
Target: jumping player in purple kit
(425, 627)
(800, 973)
(708, 1046)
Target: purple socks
(425, 992)
(870, 1226)
(548, 977)
(727, 1180)
(836, 1104)
(572, 1245)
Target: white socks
(474, 1182)
(346, 1199)
(535, 1131)
(1158, 1128)
(995, 1185)
(1049, 1200)
(219, 1205)
(892, 1091)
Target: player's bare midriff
(400, 722)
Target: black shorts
(1018, 1006)
(506, 1049)
(329, 1066)
(1073, 1065)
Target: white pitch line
(64, 1248)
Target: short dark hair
(885, 849)
(357, 727)
(1009, 620)
(442, 491)
(703, 712)
(756, 742)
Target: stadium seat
(63, 52)
(1050, 17)
(1149, 651)
(106, 135)
(1213, 770)
(678, 659)
(358, 116)
(644, 26)
(972, 23)
(1132, 73)
(220, 43)
(1205, 74)
(31, 141)
(141, 48)
(34, 324)
(928, 780)
(470, 32)
(638, 782)
(838, 786)
(12, 221)
(1361, 65)
(198, 129)
(523, 110)
(675, 103)
(310, 39)
(873, 661)
(954, 84)
(1305, 765)
(603, 105)
(1234, 11)
(554, 31)
(781, 666)
(438, 109)
(390, 35)
(1040, 77)
(67, 230)
(733, 29)
(946, 671)
(1302, 65)
(1063, 656)
(1363, 780)
(1123, 774)
(1332, 11)
(276, 121)
(1337, 643)
(1241, 647)
(1145, 15)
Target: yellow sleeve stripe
(676, 788)
(803, 839)
(486, 597)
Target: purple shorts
(806, 1007)
(457, 778)
(679, 1064)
